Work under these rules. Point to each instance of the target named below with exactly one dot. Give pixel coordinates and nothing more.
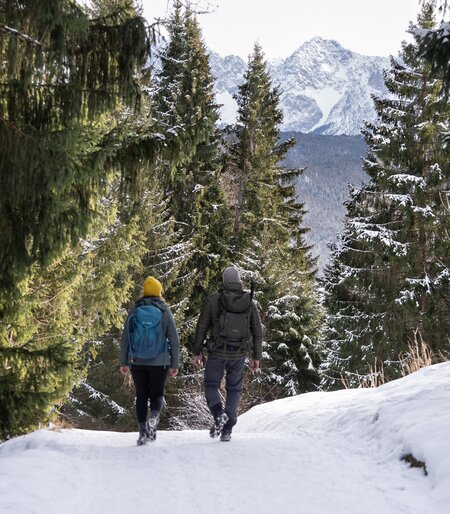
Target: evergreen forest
(113, 169)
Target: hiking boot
(143, 434)
(219, 422)
(152, 425)
(225, 435)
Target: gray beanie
(231, 277)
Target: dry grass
(374, 378)
(60, 423)
(418, 356)
(414, 463)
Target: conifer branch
(193, 7)
(20, 35)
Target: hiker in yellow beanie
(152, 287)
(150, 349)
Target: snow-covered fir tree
(184, 101)
(102, 398)
(433, 42)
(389, 279)
(268, 239)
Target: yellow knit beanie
(152, 287)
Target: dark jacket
(236, 300)
(168, 328)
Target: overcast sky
(368, 27)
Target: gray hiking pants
(214, 371)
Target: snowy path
(322, 453)
(184, 472)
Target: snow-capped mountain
(324, 87)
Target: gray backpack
(232, 329)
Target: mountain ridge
(324, 87)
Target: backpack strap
(127, 329)
(166, 352)
(166, 341)
(218, 326)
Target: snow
(315, 453)
(404, 178)
(442, 31)
(426, 212)
(381, 234)
(326, 98)
(323, 86)
(93, 393)
(228, 107)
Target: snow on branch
(19, 35)
(403, 178)
(382, 235)
(104, 398)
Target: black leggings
(149, 382)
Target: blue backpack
(146, 339)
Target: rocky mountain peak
(324, 87)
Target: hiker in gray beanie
(230, 328)
(231, 278)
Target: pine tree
(102, 399)
(184, 101)
(352, 328)
(62, 308)
(184, 104)
(268, 238)
(60, 71)
(72, 97)
(433, 42)
(390, 276)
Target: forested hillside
(332, 163)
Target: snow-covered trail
(187, 472)
(318, 453)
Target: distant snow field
(316, 453)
